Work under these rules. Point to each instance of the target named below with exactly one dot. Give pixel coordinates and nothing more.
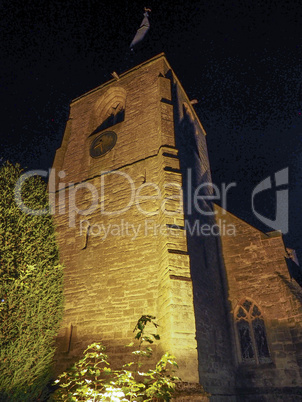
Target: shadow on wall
(276, 380)
(215, 326)
(216, 368)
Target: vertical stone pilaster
(175, 299)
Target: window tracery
(251, 333)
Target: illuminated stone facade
(130, 244)
(257, 272)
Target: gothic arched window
(115, 114)
(109, 109)
(251, 333)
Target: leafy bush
(92, 379)
(31, 289)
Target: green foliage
(31, 289)
(92, 379)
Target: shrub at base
(31, 290)
(92, 379)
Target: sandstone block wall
(139, 266)
(125, 224)
(256, 269)
(209, 289)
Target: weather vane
(142, 30)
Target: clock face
(103, 144)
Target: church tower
(132, 154)
(138, 235)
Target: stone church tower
(138, 235)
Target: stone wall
(149, 259)
(139, 266)
(256, 270)
(212, 323)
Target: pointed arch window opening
(115, 115)
(251, 334)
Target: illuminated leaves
(92, 379)
(31, 289)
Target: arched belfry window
(115, 114)
(251, 333)
(110, 109)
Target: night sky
(240, 59)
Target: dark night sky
(240, 59)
